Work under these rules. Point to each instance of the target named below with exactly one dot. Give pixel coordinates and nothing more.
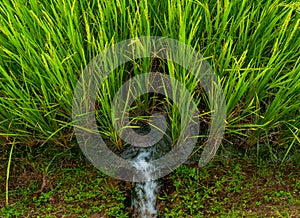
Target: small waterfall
(144, 197)
(144, 194)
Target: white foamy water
(144, 203)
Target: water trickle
(144, 194)
(144, 199)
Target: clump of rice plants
(254, 47)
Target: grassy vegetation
(253, 46)
(72, 187)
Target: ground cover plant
(72, 187)
(253, 46)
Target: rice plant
(254, 47)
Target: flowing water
(144, 199)
(143, 196)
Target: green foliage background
(254, 47)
